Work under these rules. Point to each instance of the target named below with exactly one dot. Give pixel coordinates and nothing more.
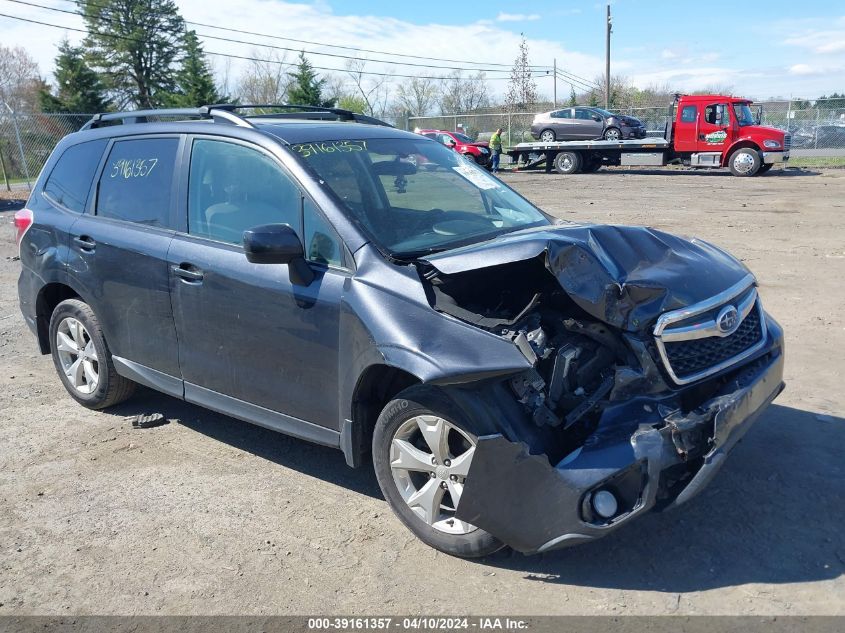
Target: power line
(283, 48)
(572, 79)
(505, 67)
(243, 57)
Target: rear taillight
(23, 220)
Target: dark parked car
(516, 380)
(583, 122)
(822, 136)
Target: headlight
(771, 144)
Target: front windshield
(463, 138)
(744, 115)
(604, 113)
(415, 196)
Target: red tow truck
(703, 131)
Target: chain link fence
(26, 141)
(817, 126)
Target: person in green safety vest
(495, 150)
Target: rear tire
(745, 162)
(567, 163)
(548, 136)
(421, 495)
(82, 357)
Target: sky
(777, 48)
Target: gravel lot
(211, 515)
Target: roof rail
(303, 112)
(226, 112)
(142, 116)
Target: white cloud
(668, 53)
(517, 17)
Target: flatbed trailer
(703, 131)
(570, 157)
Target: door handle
(188, 272)
(85, 242)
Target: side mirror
(451, 142)
(278, 244)
(596, 117)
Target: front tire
(613, 134)
(82, 357)
(745, 162)
(422, 450)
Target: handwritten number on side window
(127, 168)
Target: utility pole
(607, 62)
(554, 98)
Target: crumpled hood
(625, 276)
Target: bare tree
(522, 89)
(20, 82)
(266, 79)
(418, 96)
(463, 94)
(374, 90)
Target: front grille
(687, 358)
(703, 339)
(787, 142)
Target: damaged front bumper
(646, 454)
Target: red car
(480, 152)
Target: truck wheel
(422, 451)
(613, 134)
(568, 163)
(745, 162)
(82, 357)
(547, 136)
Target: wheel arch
(377, 385)
(740, 144)
(50, 295)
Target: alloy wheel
(77, 355)
(430, 458)
(612, 135)
(547, 136)
(743, 162)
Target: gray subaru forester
(515, 380)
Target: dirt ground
(208, 515)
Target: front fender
(743, 141)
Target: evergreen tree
(305, 87)
(78, 88)
(135, 45)
(573, 100)
(194, 80)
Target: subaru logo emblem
(727, 320)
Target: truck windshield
(414, 196)
(744, 115)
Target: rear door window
(137, 181)
(70, 180)
(689, 113)
(562, 114)
(232, 188)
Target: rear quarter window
(137, 180)
(70, 180)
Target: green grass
(816, 161)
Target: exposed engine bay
(631, 396)
(574, 357)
